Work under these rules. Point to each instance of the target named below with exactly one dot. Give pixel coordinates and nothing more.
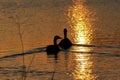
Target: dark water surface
(93, 26)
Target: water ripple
(43, 49)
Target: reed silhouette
(65, 43)
(53, 49)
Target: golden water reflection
(80, 25)
(83, 68)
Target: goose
(53, 49)
(65, 43)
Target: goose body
(65, 43)
(53, 49)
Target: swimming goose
(53, 49)
(65, 43)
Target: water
(92, 25)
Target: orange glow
(80, 23)
(80, 26)
(83, 69)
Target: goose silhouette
(65, 43)
(53, 49)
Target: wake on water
(43, 49)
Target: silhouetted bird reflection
(65, 43)
(53, 49)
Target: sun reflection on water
(83, 68)
(80, 24)
(81, 29)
